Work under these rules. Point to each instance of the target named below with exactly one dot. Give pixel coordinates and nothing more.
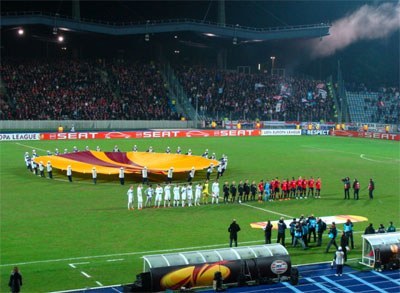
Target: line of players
(272, 190)
(174, 195)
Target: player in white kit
(183, 195)
(139, 193)
(177, 196)
(215, 192)
(197, 194)
(149, 195)
(167, 195)
(130, 198)
(158, 192)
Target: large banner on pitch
(148, 134)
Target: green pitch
(57, 232)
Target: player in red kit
(260, 190)
(299, 188)
(284, 187)
(276, 188)
(304, 187)
(293, 188)
(318, 184)
(311, 187)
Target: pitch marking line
(265, 210)
(98, 283)
(85, 274)
(31, 147)
(126, 254)
(117, 259)
(362, 156)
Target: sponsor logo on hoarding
(378, 135)
(196, 133)
(70, 135)
(265, 132)
(315, 132)
(160, 134)
(19, 136)
(366, 134)
(117, 135)
(235, 132)
(279, 267)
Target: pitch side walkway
(314, 279)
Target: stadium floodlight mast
(272, 64)
(235, 40)
(147, 36)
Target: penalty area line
(28, 146)
(268, 211)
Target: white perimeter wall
(90, 124)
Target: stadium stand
(83, 90)
(377, 107)
(124, 90)
(255, 96)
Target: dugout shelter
(206, 268)
(381, 250)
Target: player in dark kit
(233, 190)
(253, 190)
(246, 188)
(346, 186)
(240, 191)
(225, 189)
(356, 188)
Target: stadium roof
(164, 26)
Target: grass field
(55, 230)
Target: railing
(177, 90)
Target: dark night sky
(365, 61)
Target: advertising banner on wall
(315, 132)
(149, 134)
(277, 132)
(19, 136)
(366, 134)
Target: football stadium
(199, 146)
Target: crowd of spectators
(123, 90)
(234, 95)
(84, 90)
(387, 106)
